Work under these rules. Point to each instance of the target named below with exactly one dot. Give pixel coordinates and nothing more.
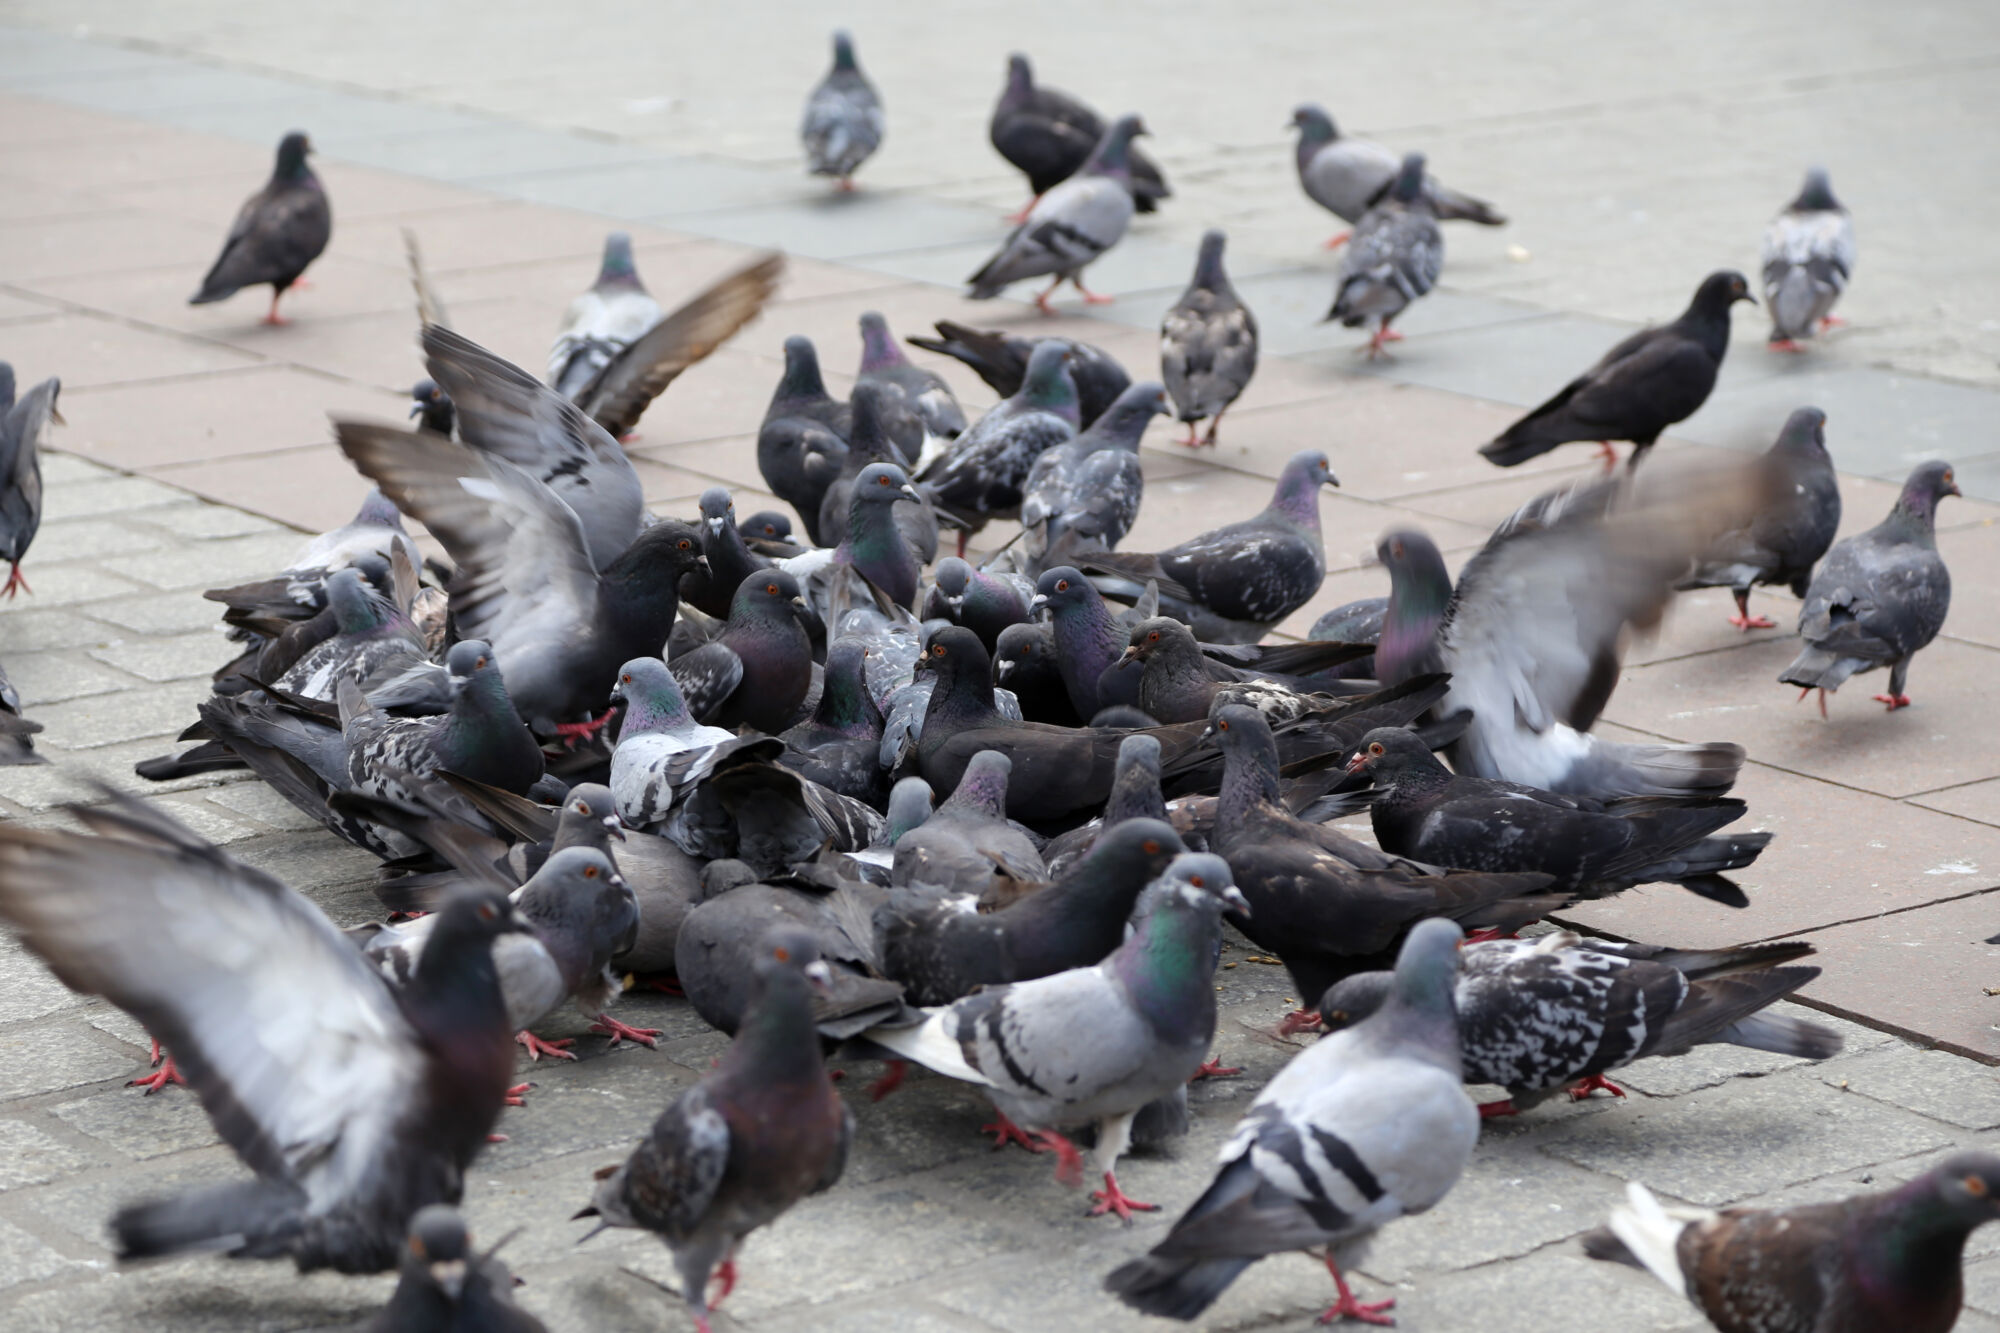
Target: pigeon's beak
(416, 409)
(701, 563)
(1208, 732)
(617, 694)
(1358, 762)
(1002, 669)
(614, 828)
(820, 977)
(1131, 654)
(1332, 480)
(1233, 898)
(715, 524)
(450, 1276)
(909, 492)
(923, 663)
(955, 603)
(1037, 603)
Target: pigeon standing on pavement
(843, 123)
(1361, 1128)
(1001, 360)
(1789, 533)
(1049, 135)
(1208, 344)
(604, 321)
(445, 1285)
(1808, 255)
(1893, 1259)
(280, 230)
(1071, 226)
(762, 1130)
(1880, 596)
(1345, 176)
(1644, 384)
(21, 425)
(1083, 495)
(804, 436)
(661, 748)
(917, 403)
(1396, 257)
(981, 475)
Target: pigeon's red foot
(272, 317)
(845, 185)
(890, 1081)
(1217, 1069)
(1807, 689)
(629, 437)
(1111, 1199)
(1832, 322)
(1375, 341)
(1069, 1162)
(1746, 623)
(572, 732)
(1042, 298)
(1090, 297)
(537, 1048)
(664, 985)
(1608, 454)
(1580, 1090)
(1005, 1131)
(496, 1138)
(1367, 1312)
(625, 1032)
(165, 1072)
(1498, 1110)
(1485, 933)
(396, 915)
(15, 583)
(517, 1095)
(962, 534)
(1785, 345)
(1894, 701)
(1335, 242)
(1390, 335)
(726, 1275)
(1299, 1020)
(1016, 219)
(1193, 440)
(302, 284)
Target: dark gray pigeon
(758, 670)
(1808, 257)
(968, 845)
(278, 233)
(1025, 661)
(1880, 596)
(1789, 533)
(984, 602)
(919, 405)
(804, 436)
(1208, 344)
(444, 1286)
(373, 642)
(1049, 135)
(1001, 359)
(1083, 494)
(759, 1132)
(1396, 257)
(1345, 176)
(730, 559)
(868, 442)
(1180, 683)
(844, 122)
(481, 735)
(1135, 794)
(754, 810)
(874, 558)
(354, 1103)
(299, 593)
(838, 746)
(21, 426)
(981, 474)
(17, 733)
(1315, 1163)
(1071, 226)
(431, 408)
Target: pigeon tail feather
(1783, 1034)
(1612, 768)
(1649, 1235)
(1173, 1288)
(250, 1219)
(1817, 669)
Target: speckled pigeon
(804, 435)
(21, 426)
(867, 443)
(844, 122)
(1049, 135)
(1001, 359)
(1364, 1127)
(1808, 256)
(481, 735)
(1083, 494)
(1396, 257)
(373, 641)
(1208, 344)
(299, 592)
(980, 476)
(1880, 596)
(443, 1284)
(1071, 226)
(838, 745)
(968, 842)
(755, 810)
(662, 750)
(278, 233)
(985, 602)
(918, 404)
(762, 1130)
(1345, 175)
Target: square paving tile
(139, 153)
(37, 120)
(502, 233)
(1974, 800)
(256, 411)
(311, 488)
(378, 350)
(144, 92)
(1921, 973)
(832, 226)
(484, 150)
(89, 352)
(112, 242)
(656, 186)
(340, 286)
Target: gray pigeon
(844, 122)
(1346, 176)
(21, 427)
(662, 750)
(919, 405)
(1083, 494)
(868, 442)
(839, 745)
(1789, 533)
(874, 559)
(1359, 1129)
(987, 602)
(1808, 255)
(981, 474)
(300, 591)
(803, 437)
(1880, 596)
(1049, 135)
(1151, 1008)
(604, 321)
(762, 1130)
(1208, 344)
(1068, 228)
(444, 1286)
(373, 642)
(1001, 359)
(17, 733)
(968, 845)
(1135, 794)
(481, 735)
(1396, 257)
(278, 233)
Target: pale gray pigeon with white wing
(604, 321)
(1808, 255)
(1072, 225)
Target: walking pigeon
(981, 474)
(1345, 176)
(918, 406)
(804, 436)
(21, 426)
(1396, 257)
(1208, 344)
(443, 1284)
(1358, 1130)
(1808, 255)
(1083, 495)
(1001, 359)
(844, 122)
(1049, 135)
(1644, 384)
(1880, 596)
(604, 321)
(278, 233)
(1789, 533)
(968, 843)
(1068, 228)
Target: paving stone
(31, 991)
(209, 1296)
(70, 585)
(208, 520)
(141, 1125)
(1931, 1083)
(30, 1157)
(114, 495)
(152, 711)
(87, 539)
(312, 488)
(255, 410)
(260, 803)
(1498, 1211)
(25, 1259)
(210, 564)
(1516, 1298)
(177, 658)
(52, 1057)
(159, 613)
(48, 677)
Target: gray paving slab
(481, 150)
(830, 226)
(653, 187)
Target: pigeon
(768, 526)
(1327, 905)
(604, 321)
(1234, 584)
(873, 558)
(1001, 359)
(480, 736)
(1396, 257)
(17, 732)
(278, 233)
(431, 408)
(1208, 344)
(730, 559)
(761, 1130)
(844, 122)
(1646, 383)
(662, 750)
(1357, 1130)
(21, 425)
(1787, 536)
(355, 1104)
(1594, 847)
(1808, 255)
(1068, 228)
(1083, 494)
(980, 475)
(1050, 135)
(1024, 661)
(941, 950)
(1152, 1016)
(838, 745)
(443, 1285)
(1346, 176)
(753, 809)
(1179, 683)
(967, 843)
(917, 404)
(299, 593)
(1135, 794)
(868, 442)
(1358, 621)
(1558, 1011)
(804, 436)
(373, 641)
(983, 602)
(1891, 1259)
(1088, 638)
(1879, 597)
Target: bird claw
(1831, 322)
(537, 1048)
(1580, 1090)
(1609, 454)
(726, 1275)
(1784, 345)
(1299, 1020)
(167, 1073)
(893, 1079)
(572, 732)
(664, 985)
(1111, 1199)
(625, 1032)
(1069, 1162)
(1193, 440)
(1346, 1307)
(516, 1095)
(1335, 242)
(15, 583)
(1746, 623)
(1216, 1069)
(1005, 1131)
(1498, 1110)
(1804, 690)
(1894, 701)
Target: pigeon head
(1804, 433)
(651, 696)
(1048, 383)
(1719, 291)
(1354, 998)
(953, 574)
(1297, 496)
(1410, 179)
(1208, 260)
(589, 817)
(791, 952)
(1017, 647)
(868, 435)
(378, 510)
(983, 785)
(767, 596)
(1120, 425)
(292, 151)
(1134, 854)
(1315, 127)
(1162, 638)
(652, 566)
(1113, 154)
(802, 378)
(878, 346)
(468, 660)
(843, 51)
(844, 702)
(617, 269)
(1817, 192)
(1061, 589)
(1249, 753)
(439, 1245)
(1203, 882)
(1419, 592)
(1020, 75)
(596, 913)
(879, 486)
(954, 653)
(472, 915)
(909, 807)
(427, 398)
(767, 526)
(1956, 1195)
(718, 509)
(1930, 483)
(1387, 754)
(356, 608)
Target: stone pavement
(197, 448)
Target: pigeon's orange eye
(590, 872)
(1222, 726)
(771, 588)
(1154, 637)
(487, 912)
(686, 544)
(1152, 846)
(1375, 749)
(881, 481)
(1062, 585)
(1975, 1186)
(582, 808)
(625, 678)
(480, 665)
(782, 955)
(1197, 881)
(937, 650)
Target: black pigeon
(354, 1103)
(868, 442)
(1234, 584)
(968, 844)
(986, 603)
(941, 950)
(917, 404)
(804, 436)
(875, 560)
(1648, 382)
(1179, 683)
(1591, 847)
(431, 408)
(838, 746)
(767, 525)
(761, 1131)
(1536, 1016)
(730, 559)
(1208, 344)
(1049, 134)
(17, 733)
(1880, 596)
(1888, 1260)
(21, 427)
(444, 1286)
(1789, 533)
(752, 809)
(1025, 661)
(981, 475)
(279, 231)
(1083, 494)
(1001, 359)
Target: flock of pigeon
(989, 819)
